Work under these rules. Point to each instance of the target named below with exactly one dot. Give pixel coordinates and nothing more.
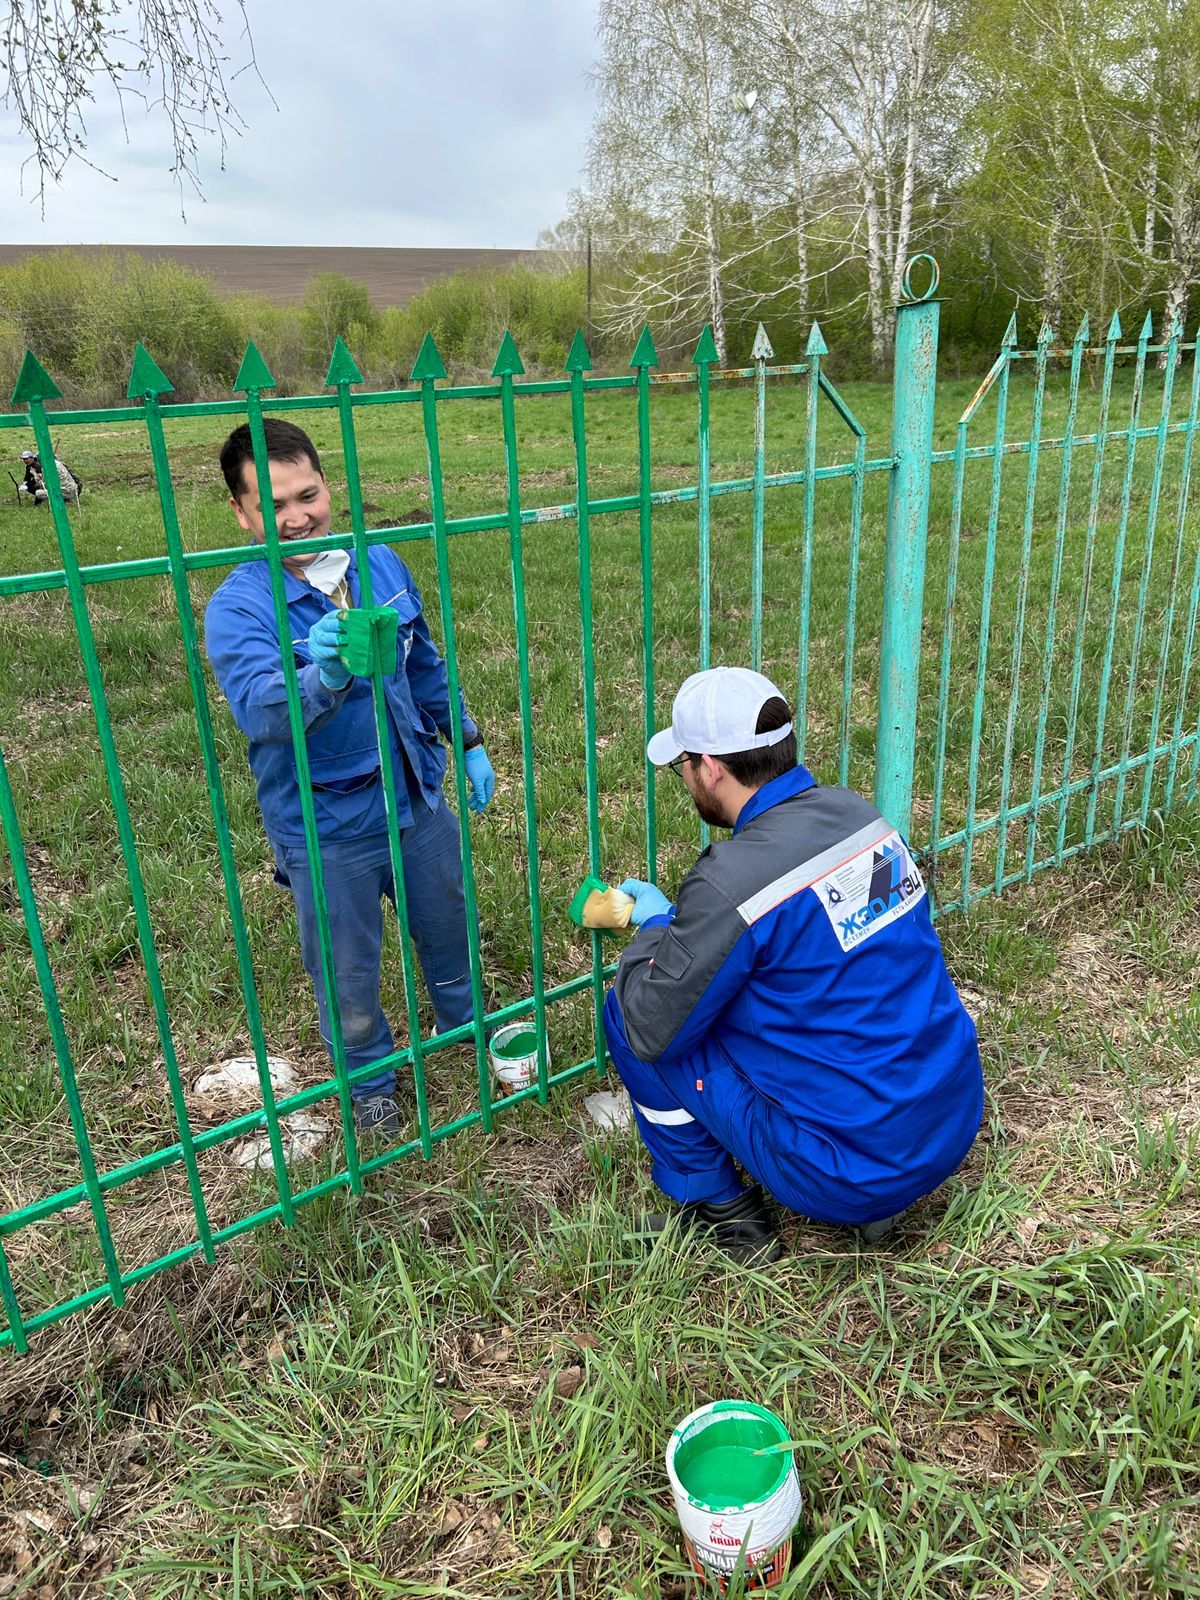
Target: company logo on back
(864, 895)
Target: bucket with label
(729, 1495)
(514, 1052)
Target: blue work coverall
(793, 1013)
(343, 752)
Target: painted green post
(762, 353)
(644, 357)
(704, 360)
(579, 361)
(508, 365)
(915, 382)
(427, 369)
(814, 350)
(341, 374)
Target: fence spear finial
(146, 377)
(578, 357)
(644, 353)
(254, 373)
(762, 349)
(342, 366)
(429, 365)
(1009, 341)
(1114, 329)
(508, 358)
(1147, 333)
(816, 345)
(706, 350)
(34, 382)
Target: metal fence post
(915, 382)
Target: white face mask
(328, 570)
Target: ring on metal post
(935, 277)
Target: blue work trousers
(696, 1127)
(358, 875)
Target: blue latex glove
(325, 639)
(647, 900)
(480, 778)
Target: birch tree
(866, 68)
(663, 159)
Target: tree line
(82, 313)
(782, 159)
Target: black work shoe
(741, 1227)
(873, 1232)
(377, 1115)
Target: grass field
(465, 1380)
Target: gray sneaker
(873, 1232)
(377, 1115)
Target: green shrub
(467, 314)
(334, 307)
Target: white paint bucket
(513, 1051)
(727, 1497)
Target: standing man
(343, 753)
(793, 1012)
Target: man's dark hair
(753, 768)
(285, 442)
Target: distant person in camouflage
(34, 481)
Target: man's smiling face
(302, 506)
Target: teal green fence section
(997, 634)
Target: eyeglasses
(679, 763)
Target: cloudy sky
(398, 122)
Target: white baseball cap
(715, 713)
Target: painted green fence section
(1054, 603)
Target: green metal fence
(1056, 704)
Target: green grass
(1003, 1402)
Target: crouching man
(792, 1013)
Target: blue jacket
(343, 753)
(802, 956)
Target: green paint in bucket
(514, 1052)
(727, 1496)
(521, 1044)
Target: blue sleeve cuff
(660, 919)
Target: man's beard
(710, 811)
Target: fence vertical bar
(705, 356)
(943, 716)
(1181, 511)
(1160, 451)
(1085, 587)
(814, 350)
(58, 1032)
(579, 362)
(1131, 441)
(253, 377)
(341, 374)
(35, 386)
(12, 1311)
(1060, 538)
(644, 357)
(508, 364)
(856, 514)
(913, 397)
(1014, 691)
(1008, 345)
(428, 368)
(762, 353)
(146, 383)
